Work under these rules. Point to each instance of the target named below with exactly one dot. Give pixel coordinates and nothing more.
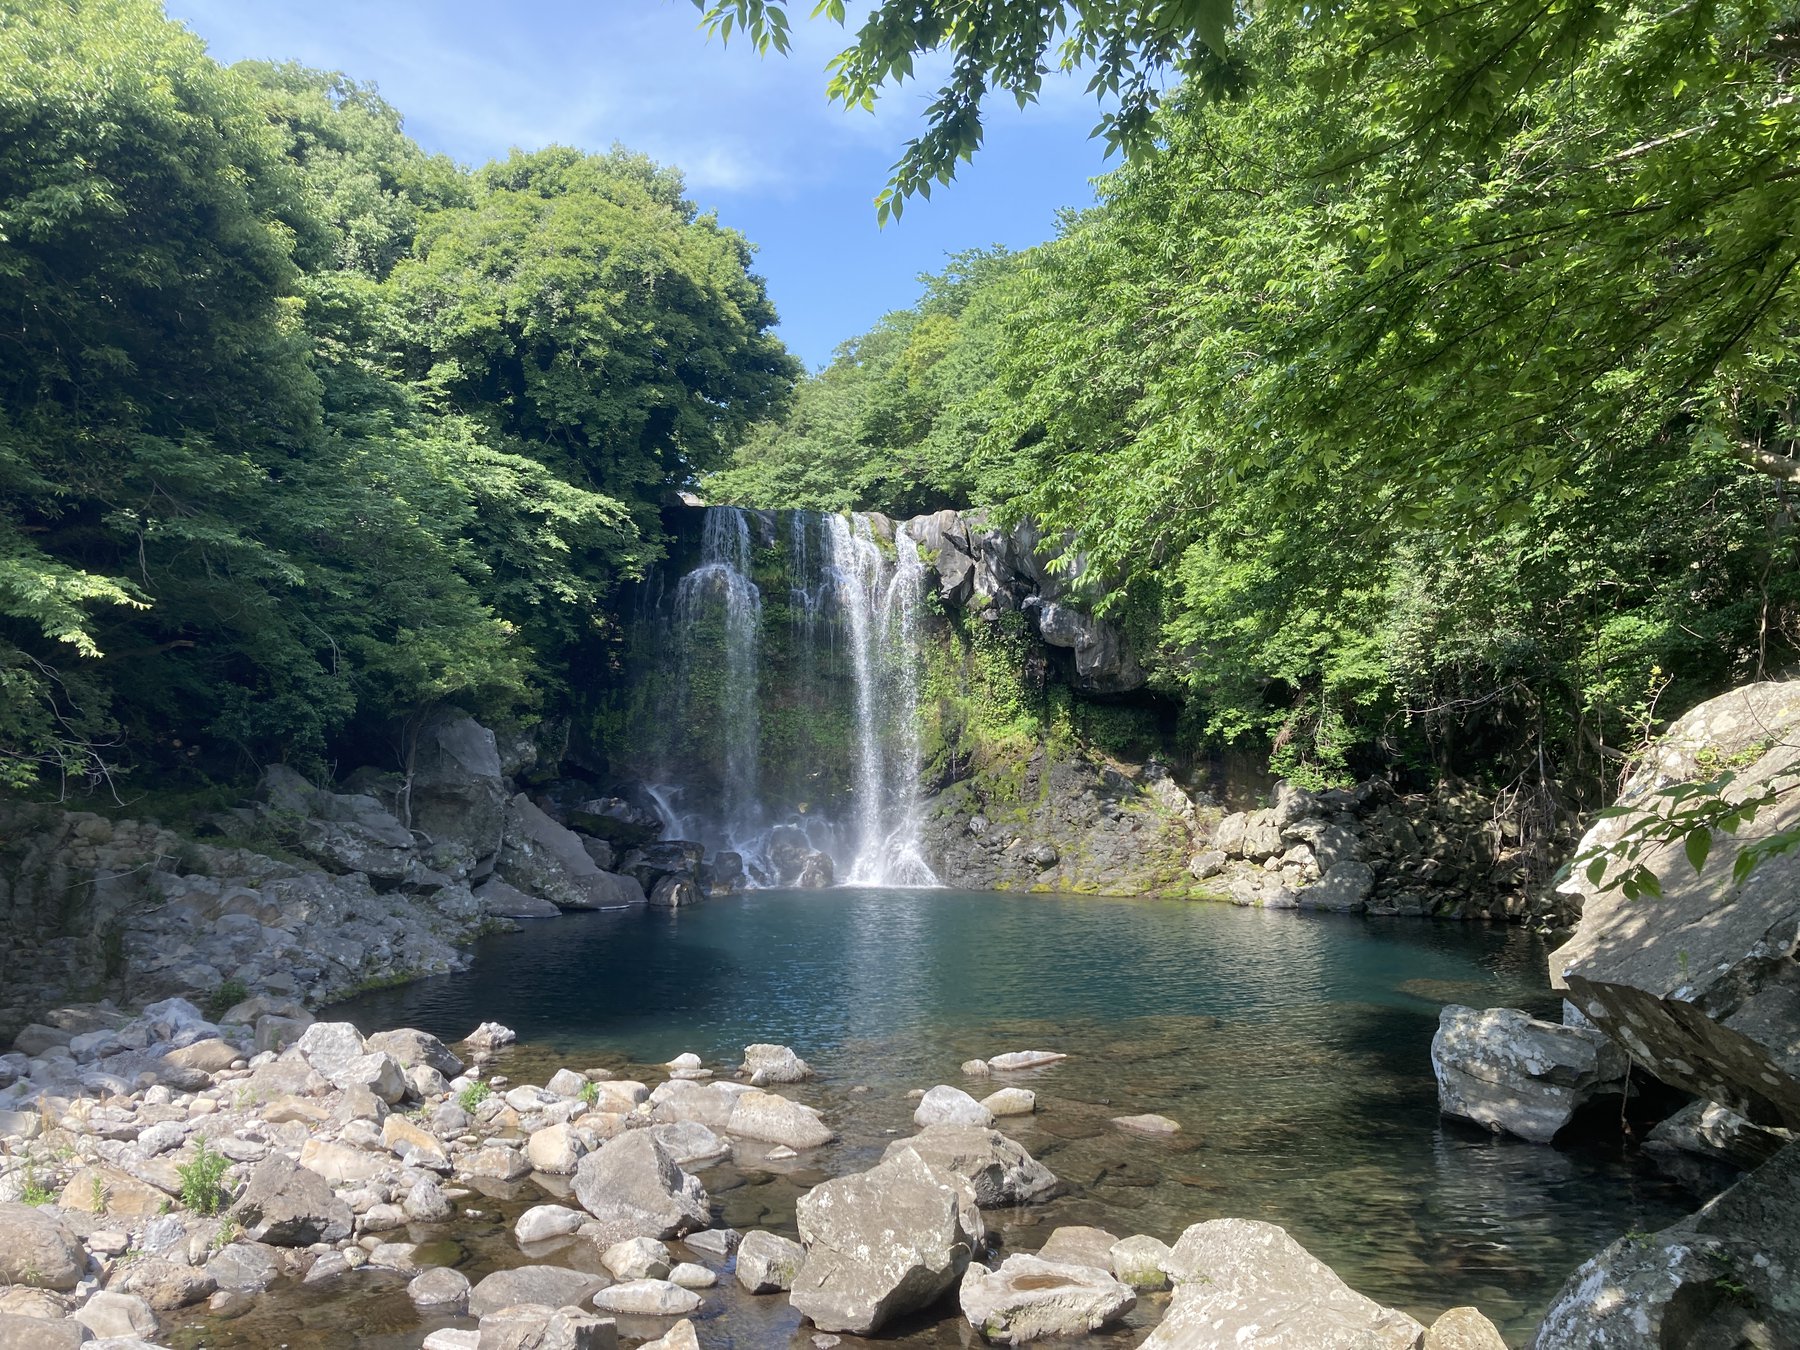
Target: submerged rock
(1029, 1298)
(1506, 1070)
(1243, 1283)
(1725, 1276)
(882, 1243)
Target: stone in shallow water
(1463, 1329)
(1504, 1069)
(542, 1223)
(556, 1286)
(768, 1262)
(1240, 1282)
(1148, 1123)
(632, 1179)
(997, 1170)
(1012, 1101)
(1138, 1261)
(637, 1259)
(773, 1064)
(1076, 1245)
(1014, 1060)
(775, 1119)
(882, 1243)
(1029, 1298)
(441, 1289)
(945, 1105)
(648, 1298)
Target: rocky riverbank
(265, 1153)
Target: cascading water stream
(851, 654)
(721, 585)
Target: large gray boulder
(36, 1250)
(346, 832)
(546, 859)
(1248, 1284)
(774, 1119)
(455, 792)
(632, 1180)
(1699, 983)
(411, 1047)
(1707, 1146)
(1506, 1070)
(997, 1170)
(1725, 1276)
(882, 1243)
(289, 1206)
(1029, 1298)
(541, 1326)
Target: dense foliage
(303, 431)
(1454, 450)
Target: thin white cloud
(474, 81)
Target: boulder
(1029, 1298)
(632, 1179)
(681, 1336)
(617, 821)
(329, 1046)
(1014, 1060)
(764, 1064)
(440, 1289)
(555, 1149)
(1345, 888)
(540, 1326)
(882, 1243)
(682, 1099)
(244, 1267)
(36, 1250)
(545, 1223)
(289, 1206)
(501, 901)
(768, 1262)
(111, 1314)
(997, 1170)
(411, 1048)
(1239, 1282)
(776, 1120)
(413, 1145)
(1697, 982)
(647, 1298)
(1724, 1276)
(552, 1285)
(1707, 1145)
(166, 1285)
(455, 792)
(674, 892)
(39, 1333)
(945, 1105)
(1504, 1069)
(345, 832)
(691, 1143)
(377, 1072)
(638, 1258)
(209, 1056)
(650, 863)
(1012, 1101)
(1148, 1123)
(1138, 1261)
(546, 859)
(1463, 1329)
(1078, 1245)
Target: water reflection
(1294, 1050)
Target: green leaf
(1699, 844)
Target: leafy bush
(202, 1190)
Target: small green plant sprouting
(590, 1093)
(474, 1095)
(200, 1181)
(99, 1194)
(33, 1191)
(1727, 1281)
(226, 997)
(229, 1229)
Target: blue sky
(756, 137)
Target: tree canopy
(303, 430)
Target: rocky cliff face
(1701, 983)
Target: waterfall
(720, 586)
(847, 675)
